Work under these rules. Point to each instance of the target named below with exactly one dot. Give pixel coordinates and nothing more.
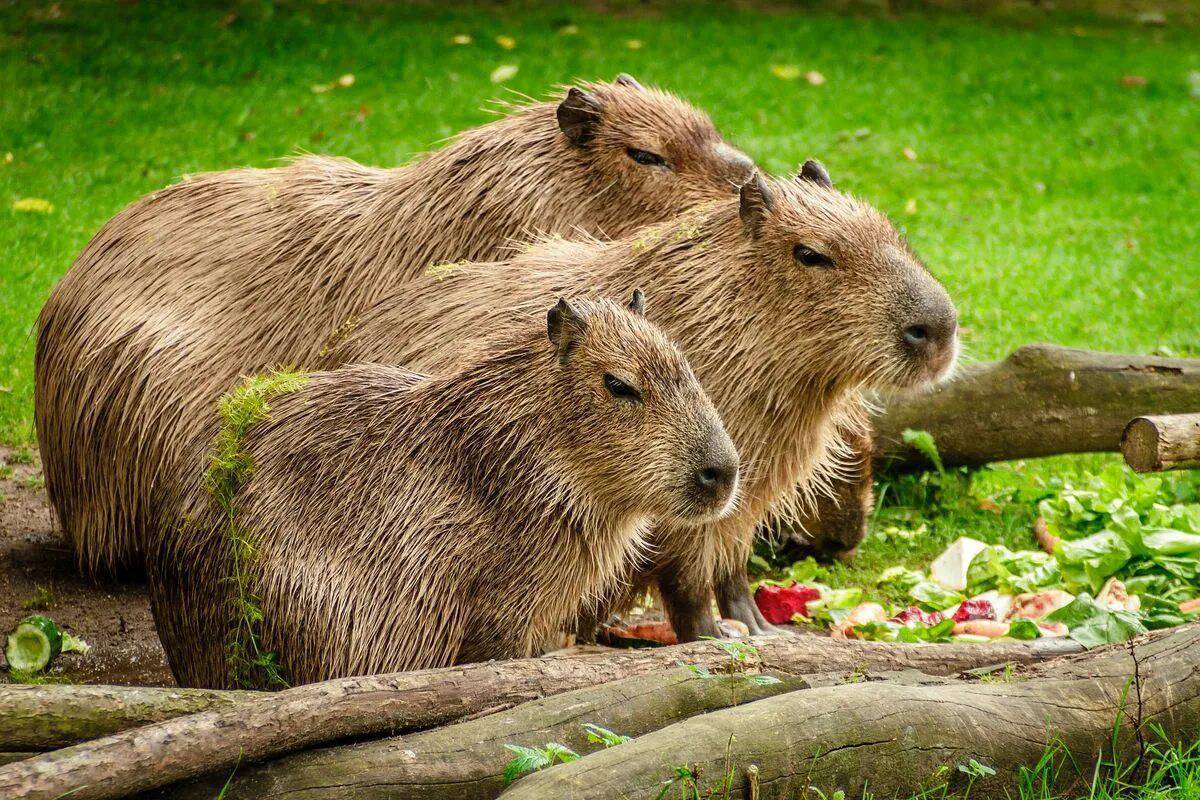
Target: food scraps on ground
(36, 641)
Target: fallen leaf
(249, 136)
(5, 389)
(910, 207)
(363, 113)
(461, 39)
(507, 42)
(1133, 80)
(318, 136)
(8, 158)
(989, 505)
(228, 19)
(813, 77)
(909, 153)
(569, 30)
(787, 72)
(320, 88)
(503, 73)
(35, 205)
(346, 81)
(634, 44)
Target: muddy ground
(38, 575)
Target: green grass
(1056, 203)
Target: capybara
(788, 302)
(394, 521)
(231, 273)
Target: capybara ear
(814, 171)
(755, 202)
(564, 325)
(637, 304)
(625, 79)
(578, 116)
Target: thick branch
(1041, 400)
(896, 739)
(1154, 444)
(307, 716)
(56, 715)
(466, 761)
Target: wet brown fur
(404, 522)
(234, 272)
(783, 350)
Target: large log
(1042, 400)
(895, 740)
(466, 761)
(1154, 444)
(56, 715)
(307, 716)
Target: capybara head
(652, 148)
(851, 298)
(639, 430)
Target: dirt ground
(37, 575)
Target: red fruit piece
(975, 609)
(779, 603)
(914, 614)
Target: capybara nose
(929, 334)
(716, 478)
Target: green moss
(229, 469)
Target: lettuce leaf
(1091, 625)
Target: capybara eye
(619, 388)
(811, 258)
(646, 158)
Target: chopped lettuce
(1011, 572)
(1092, 625)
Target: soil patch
(38, 575)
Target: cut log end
(1154, 444)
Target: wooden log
(1042, 400)
(307, 716)
(1154, 444)
(896, 740)
(56, 715)
(466, 761)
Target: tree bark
(57, 715)
(1041, 400)
(1154, 444)
(306, 716)
(466, 761)
(895, 740)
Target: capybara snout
(715, 478)
(928, 330)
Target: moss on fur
(229, 469)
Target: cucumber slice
(33, 644)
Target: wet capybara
(392, 521)
(788, 302)
(230, 273)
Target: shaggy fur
(783, 349)
(230, 273)
(403, 522)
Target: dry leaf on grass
(34, 205)
(503, 73)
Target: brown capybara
(396, 521)
(231, 273)
(788, 302)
